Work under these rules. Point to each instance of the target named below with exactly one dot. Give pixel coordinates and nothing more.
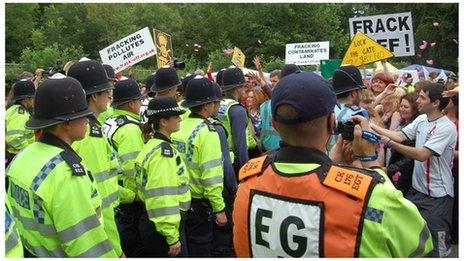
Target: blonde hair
(395, 98)
(367, 95)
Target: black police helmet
(23, 89)
(199, 91)
(185, 81)
(289, 68)
(231, 78)
(165, 79)
(163, 107)
(109, 72)
(92, 76)
(219, 76)
(125, 91)
(347, 78)
(57, 101)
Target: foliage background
(45, 35)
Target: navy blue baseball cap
(310, 94)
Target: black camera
(346, 129)
(178, 64)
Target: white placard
(306, 53)
(129, 50)
(393, 31)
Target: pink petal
(422, 47)
(433, 44)
(424, 42)
(429, 62)
(436, 24)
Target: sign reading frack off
(393, 31)
(364, 50)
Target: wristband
(371, 137)
(368, 158)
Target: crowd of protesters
(412, 121)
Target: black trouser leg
(199, 228)
(127, 219)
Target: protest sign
(238, 58)
(129, 50)
(328, 67)
(306, 53)
(402, 77)
(163, 48)
(393, 31)
(364, 50)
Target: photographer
(348, 212)
(347, 84)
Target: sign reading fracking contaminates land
(306, 53)
(129, 50)
(393, 31)
(364, 50)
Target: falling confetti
(429, 62)
(436, 24)
(433, 44)
(423, 45)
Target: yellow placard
(238, 58)
(163, 47)
(364, 50)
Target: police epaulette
(21, 110)
(255, 166)
(377, 178)
(166, 150)
(74, 162)
(356, 182)
(95, 128)
(210, 125)
(123, 120)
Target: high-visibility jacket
(198, 143)
(99, 159)
(17, 137)
(298, 204)
(269, 137)
(125, 135)
(102, 117)
(163, 185)
(224, 117)
(13, 245)
(55, 203)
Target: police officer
(297, 202)
(13, 245)
(111, 80)
(125, 135)
(347, 83)
(163, 184)
(222, 236)
(148, 82)
(234, 116)
(95, 151)
(200, 147)
(269, 137)
(54, 200)
(17, 137)
(166, 82)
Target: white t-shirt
(433, 177)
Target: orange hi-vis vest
(314, 214)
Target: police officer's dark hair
(435, 91)
(153, 124)
(197, 109)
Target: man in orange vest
(297, 202)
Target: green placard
(329, 66)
